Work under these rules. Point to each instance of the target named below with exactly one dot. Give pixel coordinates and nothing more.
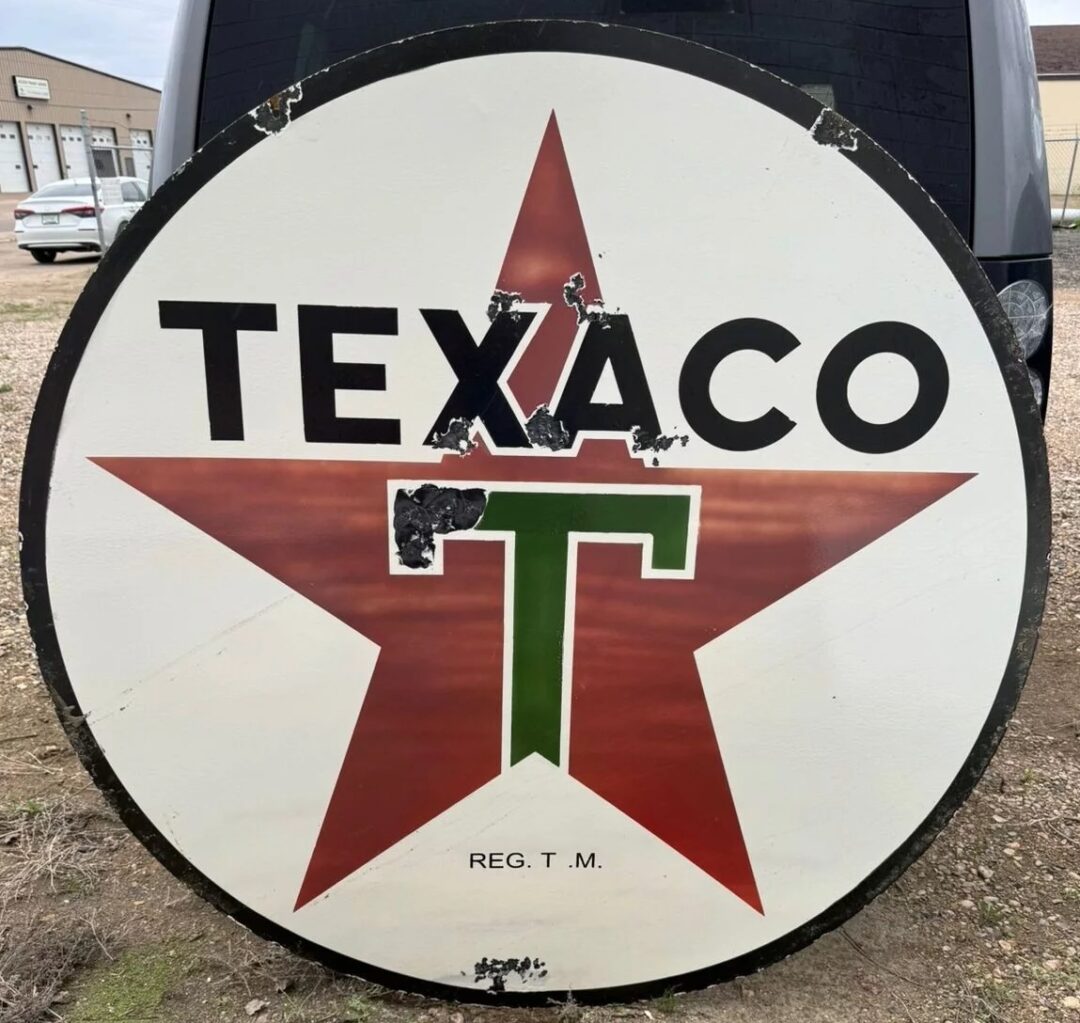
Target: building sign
(31, 88)
(597, 556)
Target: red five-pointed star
(547, 248)
(429, 731)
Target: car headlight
(1028, 307)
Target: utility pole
(93, 177)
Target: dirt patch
(985, 927)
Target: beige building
(41, 136)
(1060, 95)
(1057, 57)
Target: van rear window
(898, 68)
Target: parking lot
(985, 927)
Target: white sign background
(223, 700)
(31, 88)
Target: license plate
(50, 218)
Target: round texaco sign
(537, 508)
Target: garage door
(103, 141)
(43, 154)
(71, 143)
(13, 177)
(143, 152)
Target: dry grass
(53, 842)
(61, 848)
(37, 958)
(23, 765)
(259, 966)
(30, 312)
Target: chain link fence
(1063, 161)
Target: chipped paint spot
(504, 302)
(830, 129)
(275, 114)
(646, 440)
(496, 971)
(420, 514)
(593, 312)
(457, 437)
(545, 431)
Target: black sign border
(412, 55)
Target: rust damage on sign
(593, 312)
(276, 113)
(420, 514)
(496, 971)
(830, 129)
(545, 431)
(457, 437)
(646, 440)
(504, 302)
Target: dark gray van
(947, 86)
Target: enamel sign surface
(587, 537)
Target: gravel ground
(1063, 434)
(985, 927)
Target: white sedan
(60, 216)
